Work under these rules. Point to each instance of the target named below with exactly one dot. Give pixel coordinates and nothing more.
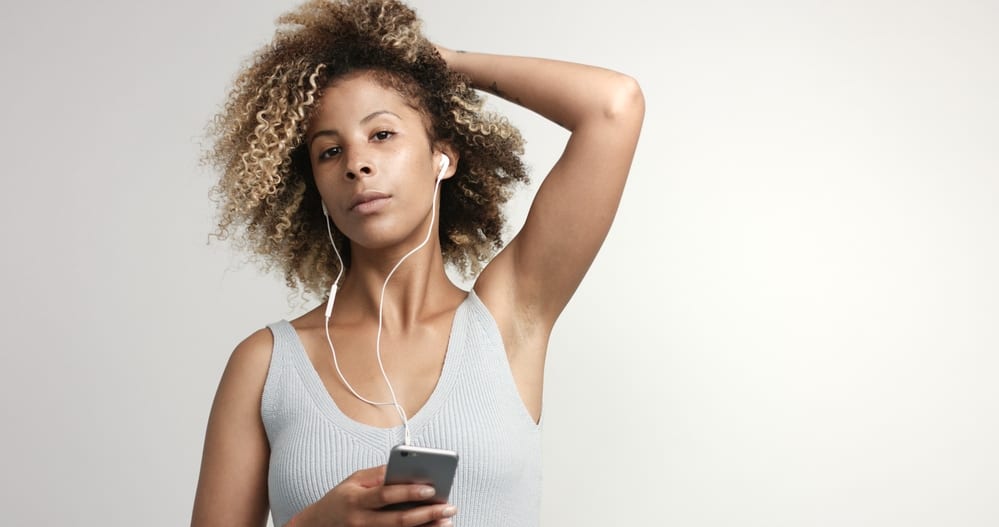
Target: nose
(359, 165)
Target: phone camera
(404, 454)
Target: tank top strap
(282, 360)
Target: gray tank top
(474, 410)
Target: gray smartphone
(428, 466)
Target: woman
(355, 156)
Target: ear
(446, 149)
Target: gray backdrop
(793, 321)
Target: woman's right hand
(359, 499)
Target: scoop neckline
(378, 436)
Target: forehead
(348, 99)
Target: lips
(368, 201)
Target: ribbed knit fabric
(474, 410)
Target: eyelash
(323, 156)
(386, 133)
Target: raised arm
(539, 270)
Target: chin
(385, 231)
(376, 239)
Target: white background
(794, 321)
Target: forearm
(566, 93)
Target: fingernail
(426, 492)
(446, 523)
(450, 510)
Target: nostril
(366, 170)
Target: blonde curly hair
(267, 197)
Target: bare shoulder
(243, 380)
(246, 370)
(251, 358)
(311, 320)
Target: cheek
(330, 187)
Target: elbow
(625, 101)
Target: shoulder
(254, 349)
(247, 368)
(238, 399)
(310, 320)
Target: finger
(427, 515)
(439, 523)
(378, 497)
(369, 477)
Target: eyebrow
(367, 118)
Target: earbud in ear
(445, 162)
(326, 212)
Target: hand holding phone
(425, 466)
(363, 494)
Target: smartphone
(428, 466)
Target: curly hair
(267, 198)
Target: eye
(329, 152)
(383, 135)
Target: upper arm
(232, 487)
(540, 269)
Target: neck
(416, 289)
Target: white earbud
(445, 162)
(326, 211)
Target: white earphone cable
(381, 301)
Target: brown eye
(329, 152)
(383, 135)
